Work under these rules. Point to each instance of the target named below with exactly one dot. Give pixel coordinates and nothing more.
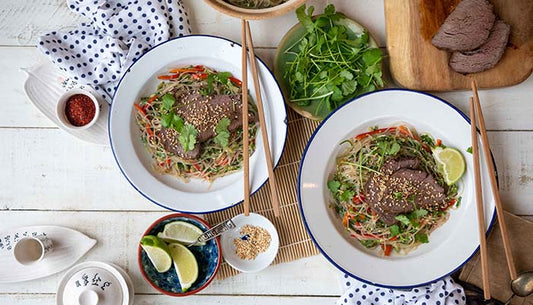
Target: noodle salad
(191, 125)
(389, 189)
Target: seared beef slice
(467, 27)
(401, 188)
(487, 56)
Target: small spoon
(523, 285)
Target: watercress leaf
(333, 186)
(187, 137)
(166, 120)
(346, 74)
(394, 230)
(421, 238)
(348, 87)
(177, 122)
(305, 19)
(222, 137)
(168, 101)
(372, 56)
(403, 219)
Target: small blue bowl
(208, 257)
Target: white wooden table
(49, 177)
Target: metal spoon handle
(214, 232)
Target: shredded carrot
(167, 77)
(439, 142)
(152, 99)
(149, 130)
(386, 249)
(139, 108)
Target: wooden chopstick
(262, 123)
(245, 145)
(479, 203)
(493, 184)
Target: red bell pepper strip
(386, 249)
(149, 130)
(151, 100)
(373, 132)
(167, 77)
(139, 108)
(236, 81)
(199, 76)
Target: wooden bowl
(254, 14)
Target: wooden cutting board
(416, 64)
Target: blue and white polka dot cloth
(119, 32)
(443, 292)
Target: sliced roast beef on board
(486, 56)
(467, 27)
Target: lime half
(451, 162)
(158, 252)
(180, 232)
(186, 265)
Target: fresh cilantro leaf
(469, 150)
(394, 230)
(177, 122)
(421, 238)
(372, 56)
(222, 131)
(166, 120)
(346, 74)
(305, 19)
(333, 186)
(337, 95)
(329, 10)
(403, 219)
(348, 87)
(395, 148)
(398, 195)
(458, 203)
(210, 81)
(223, 77)
(168, 101)
(418, 213)
(347, 195)
(187, 137)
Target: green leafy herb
(177, 122)
(330, 64)
(223, 77)
(458, 203)
(418, 213)
(427, 139)
(187, 137)
(398, 195)
(421, 238)
(222, 131)
(403, 219)
(347, 195)
(469, 150)
(168, 101)
(172, 120)
(369, 243)
(333, 186)
(394, 230)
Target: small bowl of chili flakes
(78, 109)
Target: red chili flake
(80, 110)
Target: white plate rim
(304, 220)
(276, 161)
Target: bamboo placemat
(294, 243)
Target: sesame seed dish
(391, 190)
(192, 125)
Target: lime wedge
(158, 252)
(186, 265)
(452, 163)
(181, 232)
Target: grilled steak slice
(204, 112)
(467, 27)
(487, 56)
(169, 138)
(401, 188)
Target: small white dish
(262, 260)
(45, 85)
(95, 283)
(32, 249)
(62, 104)
(69, 246)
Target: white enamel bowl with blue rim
(195, 196)
(450, 245)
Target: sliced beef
(169, 138)
(204, 112)
(486, 56)
(401, 188)
(467, 27)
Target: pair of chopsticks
(247, 43)
(476, 117)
